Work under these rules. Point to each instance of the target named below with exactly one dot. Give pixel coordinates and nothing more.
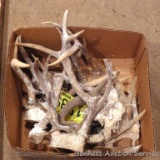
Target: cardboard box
(126, 50)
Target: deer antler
(16, 65)
(77, 101)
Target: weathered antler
(77, 101)
(16, 65)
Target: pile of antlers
(111, 113)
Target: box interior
(127, 52)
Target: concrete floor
(134, 15)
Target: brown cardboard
(125, 49)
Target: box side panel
(25, 132)
(100, 42)
(140, 50)
(12, 102)
(144, 102)
(125, 66)
(39, 154)
(47, 37)
(119, 44)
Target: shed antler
(16, 66)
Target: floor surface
(133, 15)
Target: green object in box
(76, 115)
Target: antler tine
(65, 55)
(15, 52)
(37, 59)
(57, 26)
(16, 65)
(73, 36)
(45, 76)
(40, 48)
(64, 29)
(129, 124)
(15, 62)
(131, 92)
(24, 53)
(76, 35)
(64, 24)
